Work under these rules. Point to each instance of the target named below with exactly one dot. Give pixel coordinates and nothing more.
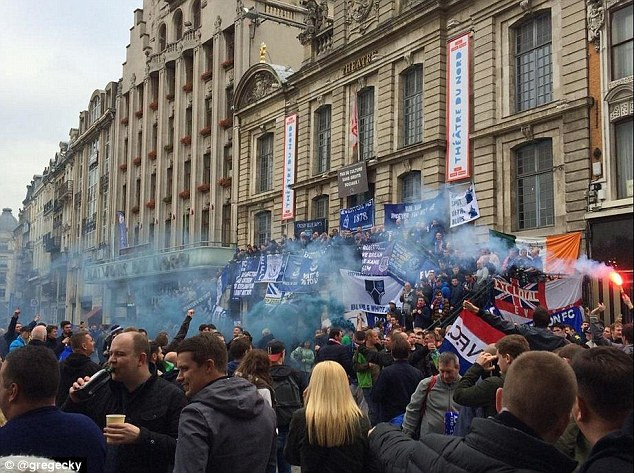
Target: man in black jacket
(538, 335)
(13, 331)
(534, 409)
(335, 351)
(146, 442)
(77, 365)
(606, 389)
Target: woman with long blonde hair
(330, 434)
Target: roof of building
(8, 222)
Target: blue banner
(246, 278)
(376, 258)
(359, 217)
(572, 316)
(414, 212)
(301, 274)
(123, 231)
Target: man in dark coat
(335, 351)
(28, 384)
(396, 383)
(146, 442)
(534, 409)
(606, 389)
(76, 365)
(13, 331)
(538, 335)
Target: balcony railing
(322, 44)
(48, 207)
(104, 181)
(64, 190)
(51, 244)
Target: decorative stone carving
(596, 18)
(239, 8)
(526, 6)
(316, 20)
(409, 59)
(218, 24)
(362, 83)
(132, 80)
(360, 13)
(527, 131)
(261, 85)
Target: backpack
(288, 399)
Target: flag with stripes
(468, 336)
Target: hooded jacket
(613, 452)
(224, 421)
(492, 446)
(75, 366)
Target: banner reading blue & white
(368, 293)
(361, 216)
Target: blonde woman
(330, 434)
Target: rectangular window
(170, 131)
(187, 175)
(154, 87)
(204, 229)
(226, 224)
(622, 42)
(262, 228)
(320, 207)
(154, 137)
(189, 70)
(168, 233)
(323, 123)
(533, 63)
(137, 189)
(535, 194)
(170, 181)
(229, 103)
(208, 49)
(206, 168)
(186, 229)
(413, 106)
(265, 163)
(623, 134)
(365, 110)
(152, 186)
(93, 182)
(411, 187)
(140, 94)
(106, 151)
(170, 75)
(188, 121)
(139, 143)
(208, 111)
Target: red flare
(616, 278)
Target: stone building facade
(8, 223)
(530, 135)
(609, 212)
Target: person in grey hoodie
(222, 411)
(433, 398)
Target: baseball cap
(275, 349)
(392, 302)
(115, 329)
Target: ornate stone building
(8, 223)
(529, 117)
(609, 212)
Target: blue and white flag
(368, 293)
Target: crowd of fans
(352, 398)
(382, 399)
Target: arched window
(162, 37)
(178, 25)
(196, 14)
(95, 109)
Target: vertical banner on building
(123, 231)
(290, 147)
(354, 125)
(458, 108)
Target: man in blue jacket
(28, 385)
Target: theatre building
(383, 68)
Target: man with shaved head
(534, 408)
(38, 336)
(146, 442)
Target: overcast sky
(53, 55)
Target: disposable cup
(114, 419)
